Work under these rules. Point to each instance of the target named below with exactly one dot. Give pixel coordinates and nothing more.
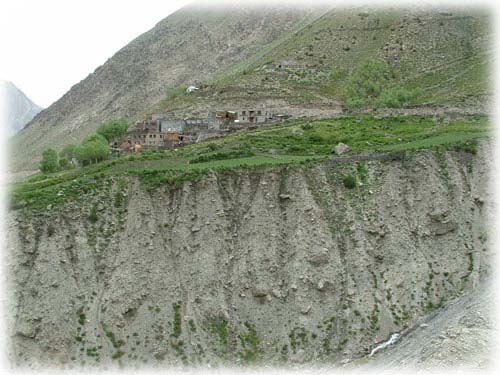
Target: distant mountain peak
(16, 108)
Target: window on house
(259, 113)
(244, 113)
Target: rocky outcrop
(227, 270)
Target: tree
(92, 150)
(50, 161)
(95, 138)
(68, 152)
(66, 155)
(365, 84)
(113, 129)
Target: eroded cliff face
(276, 265)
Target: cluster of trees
(93, 149)
(368, 86)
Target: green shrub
(222, 156)
(362, 172)
(118, 354)
(118, 198)
(471, 148)
(93, 215)
(250, 343)
(349, 181)
(213, 146)
(81, 319)
(173, 93)
(50, 229)
(192, 325)
(315, 138)
(177, 320)
(397, 97)
(218, 326)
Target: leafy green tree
(68, 152)
(64, 163)
(95, 138)
(113, 129)
(365, 84)
(91, 151)
(50, 161)
(65, 156)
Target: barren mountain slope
(278, 265)
(181, 49)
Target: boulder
(323, 285)
(260, 292)
(319, 258)
(305, 310)
(444, 227)
(341, 148)
(299, 357)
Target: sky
(48, 46)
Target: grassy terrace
(298, 141)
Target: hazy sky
(47, 46)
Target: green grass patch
(218, 326)
(252, 149)
(250, 343)
(177, 320)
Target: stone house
(194, 125)
(172, 125)
(252, 116)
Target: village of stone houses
(158, 131)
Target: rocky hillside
(16, 108)
(182, 49)
(277, 265)
(444, 56)
(464, 333)
(300, 61)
